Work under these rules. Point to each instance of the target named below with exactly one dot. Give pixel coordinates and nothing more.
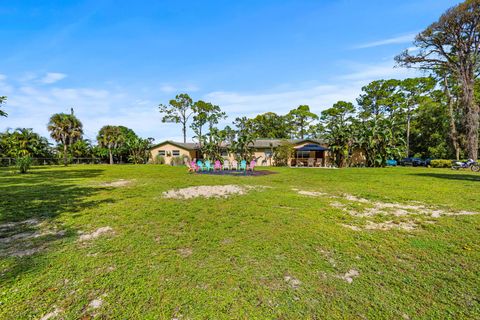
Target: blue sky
(115, 61)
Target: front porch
(310, 155)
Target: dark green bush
(23, 164)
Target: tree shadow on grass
(451, 176)
(29, 206)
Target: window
(175, 153)
(161, 153)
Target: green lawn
(271, 253)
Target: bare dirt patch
(387, 225)
(368, 209)
(311, 193)
(220, 191)
(25, 238)
(117, 183)
(398, 209)
(11, 225)
(185, 252)
(294, 283)
(95, 303)
(52, 314)
(95, 234)
(349, 275)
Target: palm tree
(110, 137)
(65, 129)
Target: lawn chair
(311, 162)
(192, 166)
(234, 165)
(200, 165)
(217, 165)
(226, 165)
(251, 166)
(319, 162)
(243, 166)
(208, 165)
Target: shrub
(441, 163)
(23, 164)
(159, 159)
(179, 161)
(283, 153)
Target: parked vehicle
(414, 162)
(473, 165)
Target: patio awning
(312, 147)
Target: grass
(271, 253)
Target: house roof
(259, 143)
(183, 145)
(267, 143)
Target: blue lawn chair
(208, 165)
(243, 166)
(200, 165)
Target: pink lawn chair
(217, 165)
(252, 165)
(192, 167)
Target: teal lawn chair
(208, 165)
(200, 165)
(243, 166)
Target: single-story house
(308, 152)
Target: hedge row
(441, 163)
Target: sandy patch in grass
(349, 275)
(398, 209)
(11, 225)
(292, 282)
(185, 252)
(220, 191)
(349, 204)
(52, 314)
(95, 303)
(95, 234)
(17, 239)
(311, 193)
(117, 183)
(387, 225)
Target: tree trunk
(408, 130)
(471, 118)
(453, 127)
(471, 122)
(111, 155)
(65, 158)
(184, 130)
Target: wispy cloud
(52, 77)
(394, 40)
(369, 72)
(30, 103)
(169, 88)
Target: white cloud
(31, 104)
(52, 77)
(368, 72)
(394, 40)
(169, 88)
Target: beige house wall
(169, 148)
